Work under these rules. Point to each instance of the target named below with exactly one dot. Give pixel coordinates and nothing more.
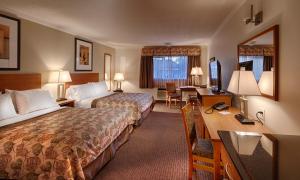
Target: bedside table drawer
(229, 169)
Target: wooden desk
(208, 98)
(214, 122)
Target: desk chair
(200, 150)
(171, 94)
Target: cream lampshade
(60, 77)
(266, 83)
(243, 83)
(119, 77)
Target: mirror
(107, 70)
(260, 55)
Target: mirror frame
(275, 30)
(110, 73)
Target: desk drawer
(229, 168)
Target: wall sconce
(257, 19)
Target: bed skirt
(91, 170)
(145, 114)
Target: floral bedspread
(60, 144)
(134, 102)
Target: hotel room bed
(39, 139)
(66, 143)
(139, 104)
(96, 95)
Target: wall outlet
(261, 114)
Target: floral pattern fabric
(136, 103)
(60, 144)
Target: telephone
(218, 106)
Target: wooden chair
(171, 94)
(200, 150)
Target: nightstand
(118, 90)
(66, 103)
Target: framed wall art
(9, 43)
(83, 55)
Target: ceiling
(128, 22)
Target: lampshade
(245, 142)
(59, 77)
(196, 71)
(266, 83)
(119, 77)
(243, 83)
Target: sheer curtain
(170, 69)
(258, 64)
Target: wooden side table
(118, 90)
(66, 103)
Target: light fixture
(266, 83)
(243, 83)
(195, 72)
(257, 19)
(119, 77)
(60, 77)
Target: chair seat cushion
(203, 148)
(174, 95)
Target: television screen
(215, 74)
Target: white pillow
(100, 87)
(84, 91)
(7, 109)
(70, 92)
(13, 97)
(34, 100)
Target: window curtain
(146, 72)
(170, 69)
(193, 61)
(268, 63)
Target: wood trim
(275, 29)
(110, 74)
(20, 81)
(82, 78)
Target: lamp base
(243, 120)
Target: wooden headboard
(83, 78)
(20, 81)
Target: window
(170, 67)
(258, 64)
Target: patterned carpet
(156, 150)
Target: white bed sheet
(87, 103)
(24, 117)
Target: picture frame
(9, 43)
(83, 55)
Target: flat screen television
(215, 75)
(248, 65)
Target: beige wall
(282, 116)
(44, 49)
(128, 62)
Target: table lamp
(196, 71)
(243, 83)
(60, 77)
(266, 83)
(119, 77)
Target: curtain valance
(246, 50)
(172, 51)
